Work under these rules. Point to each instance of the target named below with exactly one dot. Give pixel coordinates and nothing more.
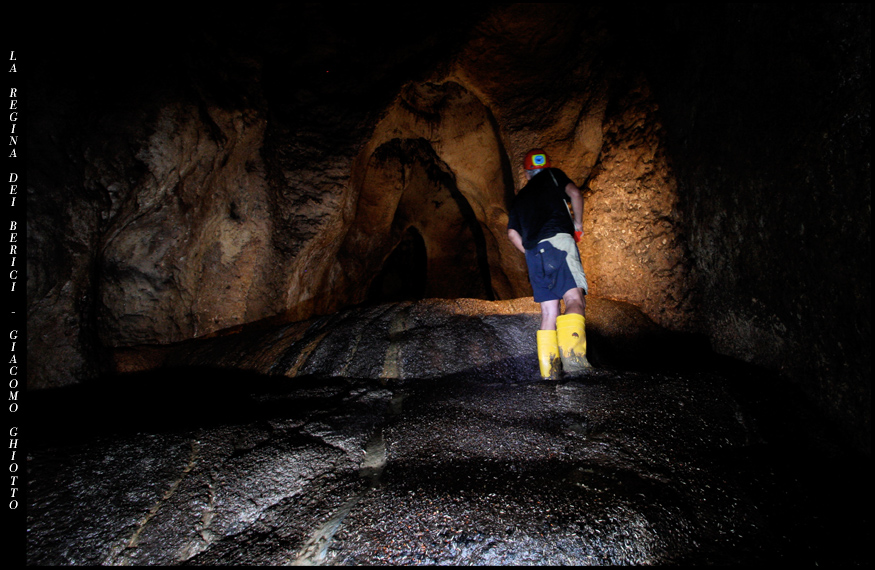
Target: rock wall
(151, 222)
(636, 249)
(771, 139)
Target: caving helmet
(536, 159)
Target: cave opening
(404, 274)
(416, 234)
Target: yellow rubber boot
(572, 342)
(548, 355)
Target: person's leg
(549, 361)
(549, 273)
(575, 302)
(571, 335)
(549, 312)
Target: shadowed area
(304, 458)
(207, 466)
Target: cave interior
(206, 171)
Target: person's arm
(576, 196)
(516, 239)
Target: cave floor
(613, 467)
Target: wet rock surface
(715, 464)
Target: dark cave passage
(404, 275)
(409, 212)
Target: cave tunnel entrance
(404, 274)
(435, 162)
(415, 235)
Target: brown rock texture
(634, 248)
(191, 252)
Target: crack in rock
(133, 541)
(315, 550)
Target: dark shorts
(553, 271)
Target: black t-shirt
(539, 210)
